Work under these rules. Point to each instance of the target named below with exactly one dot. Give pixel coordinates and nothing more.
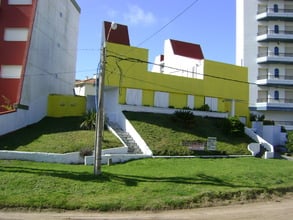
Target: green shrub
(232, 126)
(237, 127)
(86, 151)
(89, 120)
(205, 108)
(184, 117)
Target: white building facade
(264, 44)
(50, 63)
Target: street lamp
(100, 111)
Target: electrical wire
(168, 23)
(175, 69)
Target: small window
(19, 2)
(276, 8)
(11, 71)
(16, 34)
(276, 51)
(276, 95)
(276, 29)
(277, 72)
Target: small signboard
(212, 143)
(194, 145)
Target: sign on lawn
(212, 143)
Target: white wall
(178, 65)
(51, 62)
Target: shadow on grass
(32, 132)
(123, 179)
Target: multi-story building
(38, 46)
(264, 44)
(181, 78)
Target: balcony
(275, 14)
(285, 104)
(272, 57)
(273, 80)
(273, 35)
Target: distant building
(181, 78)
(265, 45)
(88, 89)
(85, 87)
(38, 53)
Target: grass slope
(166, 137)
(55, 135)
(150, 184)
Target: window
(276, 8)
(276, 51)
(19, 2)
(276, 72)
(161, 99)
(16, 34)
(276, 29)
(134, 97)
(11, 71)
(276, 95)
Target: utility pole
(100, 110)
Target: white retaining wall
(270, 153)
(133, 108)
(68, 158)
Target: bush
(237, 127)
(205, 108)
(85, 152)
(232, 126)
(185, 117)
(89, 120)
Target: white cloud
(137, 15)
(112, 13)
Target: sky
(210, 23)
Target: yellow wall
(148, 98)
(124, 69)
(66, 105)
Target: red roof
(187, 49)
(119, 36)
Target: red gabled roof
(187, 49)
(119, 36)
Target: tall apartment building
(38, 51)
(264, 43)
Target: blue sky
(210, 23)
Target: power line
(168, 23)
(175, 69)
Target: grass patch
(150, 184)
(165, 136)
(55, 135)
(289, 144)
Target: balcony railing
(273, 10)
(273, 32)
(275, 14)
(272, 54)
(274, 77)
(271, 100)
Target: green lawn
(149, 184)
(166, 136)
(55, 135)
(289, 144)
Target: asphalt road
(281, 209)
